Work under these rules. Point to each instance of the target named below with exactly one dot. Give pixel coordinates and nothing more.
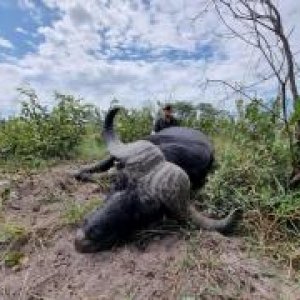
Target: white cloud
(26, 4)
(74, 56)
(21, 30)
(6, 43)
(11, 77)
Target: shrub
(39, 133)
(134, 124)
(254, 164)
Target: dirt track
(202, 266)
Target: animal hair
(119, 181)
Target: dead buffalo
(152, 187)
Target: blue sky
(19, 26)
(134, 50)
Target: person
(167, 120)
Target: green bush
(134, 124)
(245, 175)
(254, 164)
(39, 134)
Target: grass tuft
(13, 258)
(75, 212)
(10, 232)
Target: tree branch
(241, 91)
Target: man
(167, 120)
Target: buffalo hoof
(236, 217)
(82, 176)
(84, 245)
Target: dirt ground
(201, 265)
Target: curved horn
(225, 225)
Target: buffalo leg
(85, 174)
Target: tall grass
(253, 169)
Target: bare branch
(263, 17)
(240, 90)
(268, 18)
(230, 28)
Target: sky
(133, 50)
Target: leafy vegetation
(11, 233)
(75, 212)
(253, 169)
(135, 123)
(39, 133)
(13, 258)
(91, 146)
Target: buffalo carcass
(188, 148)
(153, 188)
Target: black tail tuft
(109, 119)
(108, 132)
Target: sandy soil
(199, 265)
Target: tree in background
(259, 24)
(184, 109)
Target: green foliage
(91, 146)
(184, 110)
(254, 164)
(256, 124)
(134, 124)
(10, 232)
(13, 258)
(11, 235)
(75, 212)
(203, 116)
(296, 113)
(38, 134)
(247, 175)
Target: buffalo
(154, 180)
(190, 149)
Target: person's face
(168, 113)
